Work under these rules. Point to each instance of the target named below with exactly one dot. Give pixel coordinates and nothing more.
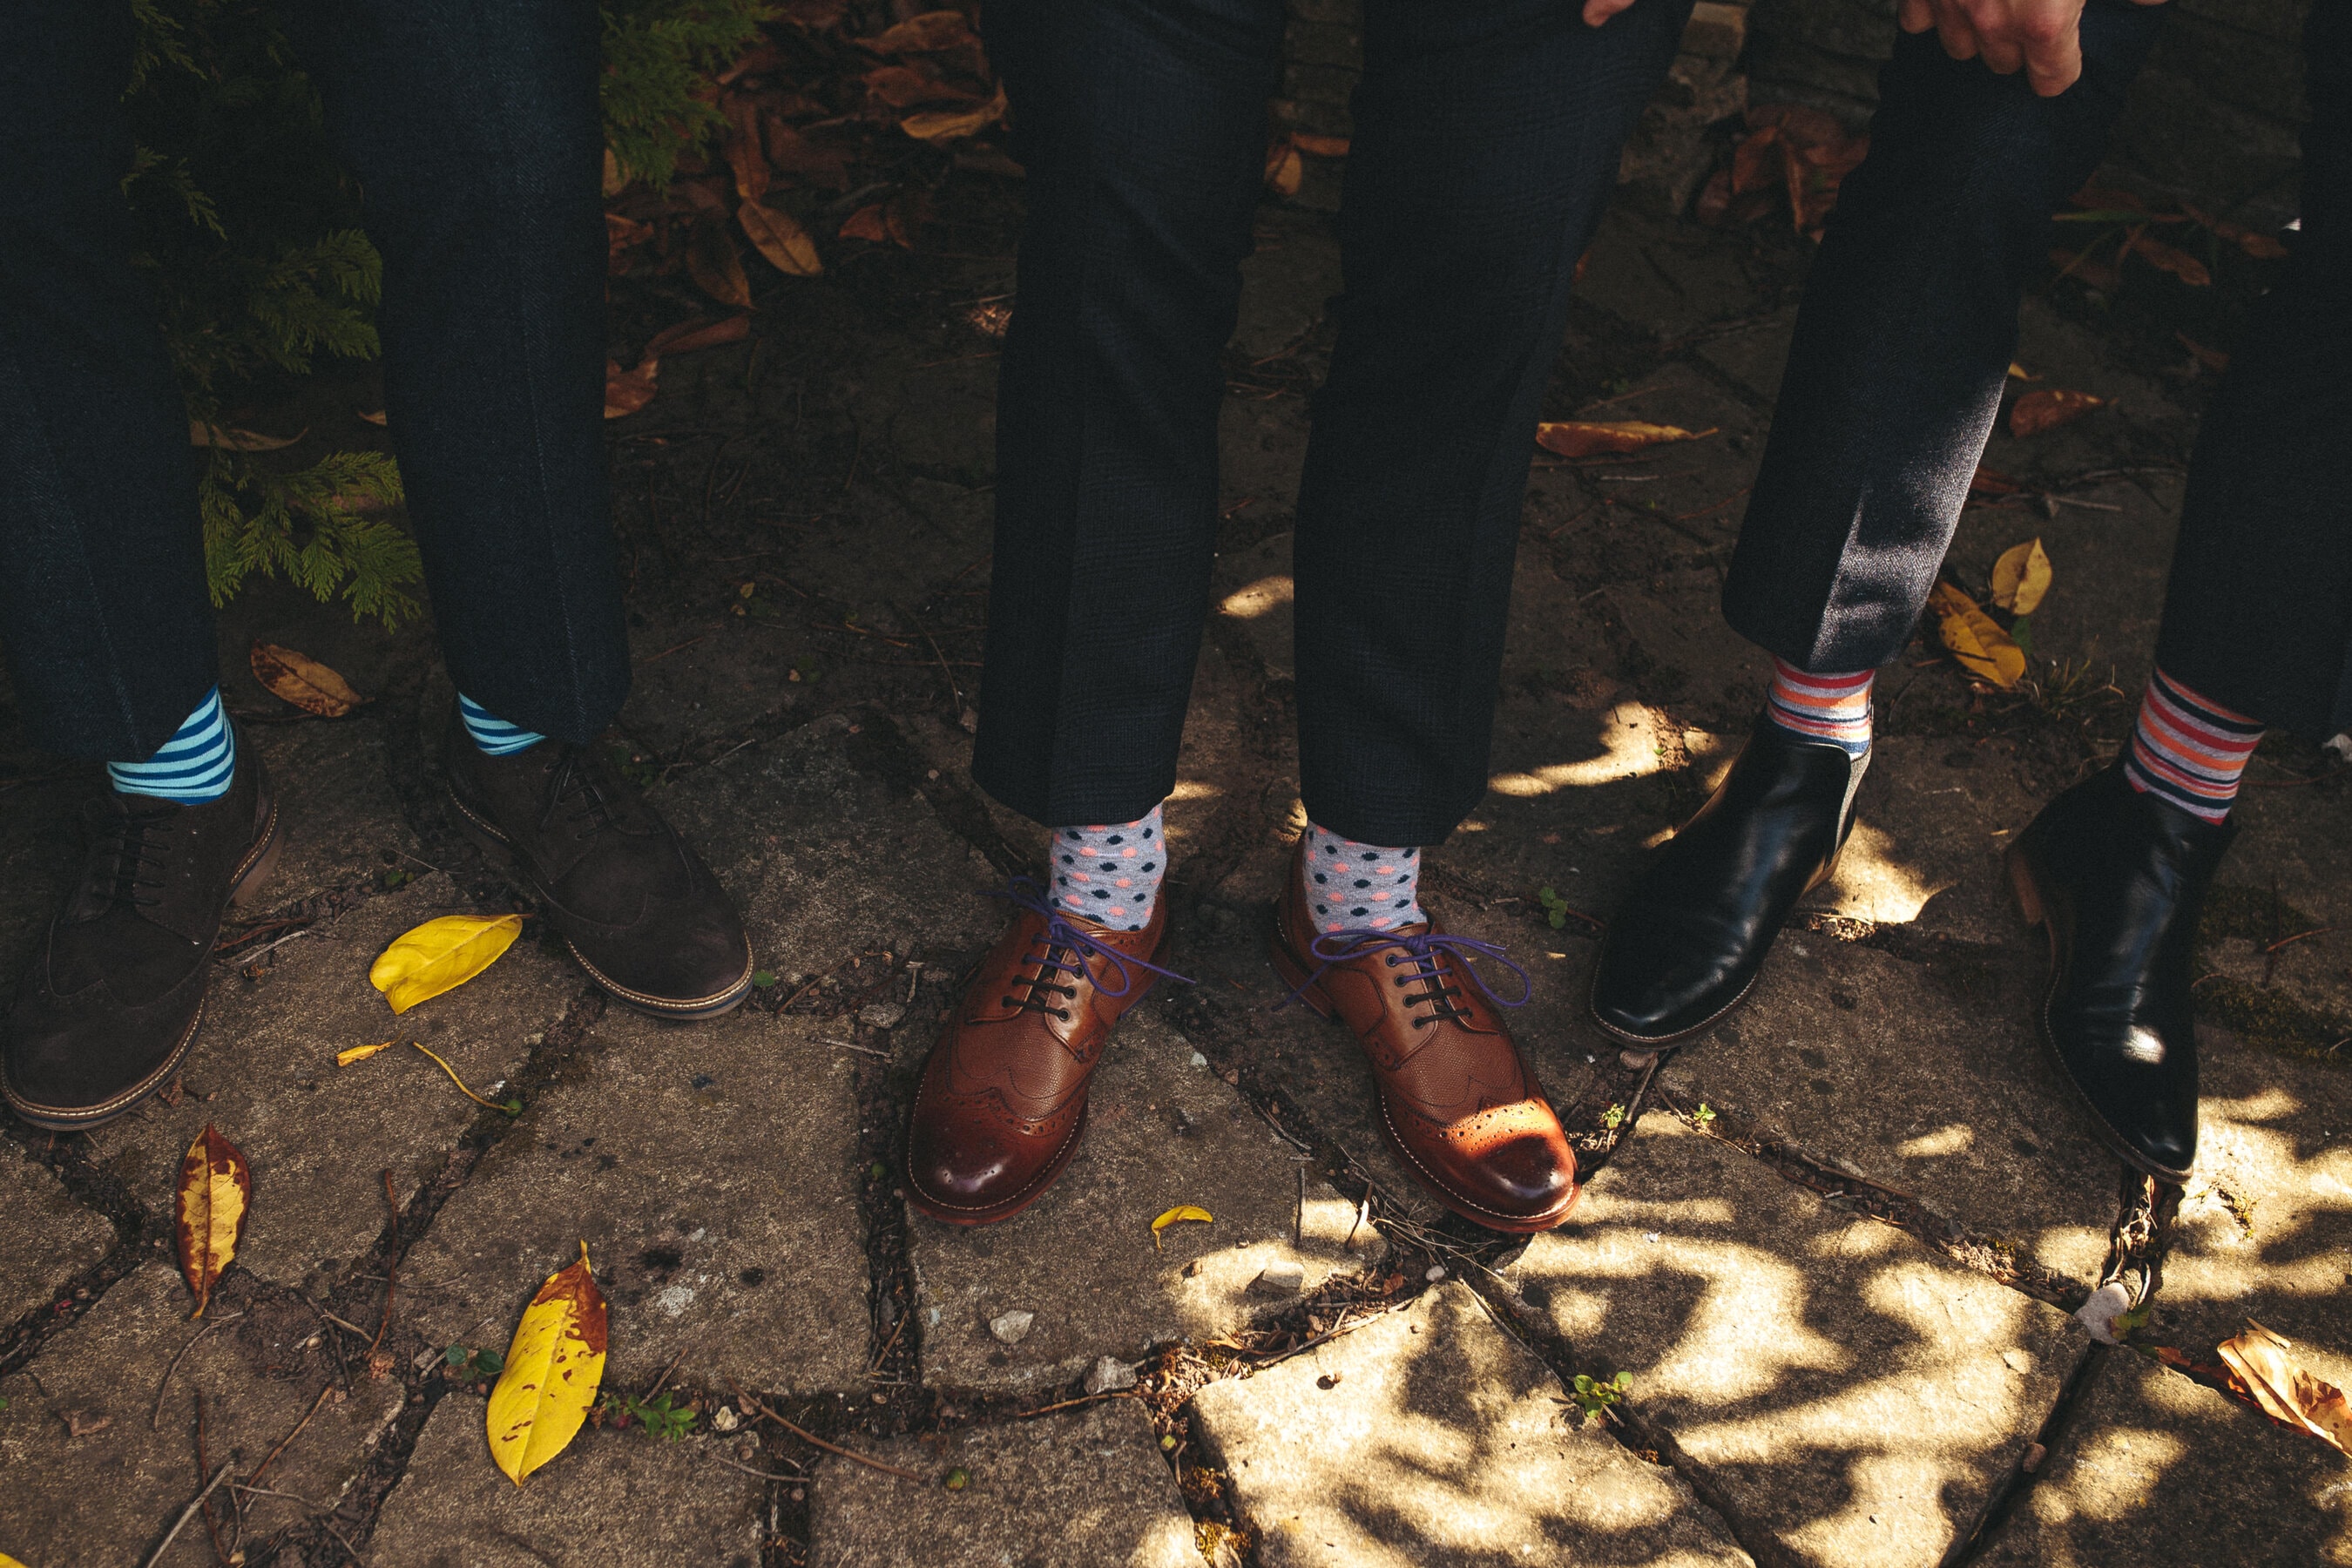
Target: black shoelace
(574, 785)
(119, 852)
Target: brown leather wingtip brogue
(1458, 1100)
(1002, 1102)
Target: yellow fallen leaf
(1972, 638)
(8, 1561)
(299, 678)
(554, 1367)
(782, 240)
(2286, 1393)
(216, 1185)
(2019, 372)
(1284, 168)
(1589, 438)
(1180, 1213)
(441, 955)
(351, 1054)
(375, 417)
(2021, 577)
(945, 125)
(203, 435)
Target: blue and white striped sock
(494, 735)
(194, 766)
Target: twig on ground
(763, 1475)
(672, 1367)
(290, 1437)
(808, 1437)
(186, 1514)
(159, 1388)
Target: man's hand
(2044, 36)
(1599, 11)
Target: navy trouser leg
(2259, 614)
(1905, 336)
(474, 131)
(102, 597)
(1487, 141)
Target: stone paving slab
(713, 1170)
(46, 1237)
(1161, 1132)
(617, 1498)
(263, 1072)
(342, 820)
(2156, 1472)
(107, 1496)
(1933, 819)
(1431, 1437)
(1923, 1077)
(1087, 1489)
(1839, 1388)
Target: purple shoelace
(1424, 950)
(1028, 893)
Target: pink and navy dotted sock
(1110, 874)
(1360, 886)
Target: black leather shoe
(637, 907)
(1687, 944)
(2117, 879)
(113, 1000)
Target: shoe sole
(2033, 909)
(494, 844)
(260, 861)
(1294, 973)
(1660, 1042)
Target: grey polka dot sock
(1111, 873)
(1360, 886)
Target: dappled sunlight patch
(1953, 1138)
(1633, 745)
(1874, 883)
(1262, 597)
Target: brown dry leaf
(626, 391)
(375, 418)
(2170, 258)
(1756, 163)
(1992, 482)
(901, 87)
(1585, 438)
(616, 178)
(792, 153)
(2262, 247)
(2078, 264)
(554, 1367)
(1284, 167)
(701, 332)
(2035, 411)
(867, 223)
(440, 955)
(1315, 146)
(2213, 360)
(228, 440)
(931, 31)
(2286, 1393)
(215, 1188)
(2021, 577)
(745, 157)
(947, 125)
(781, 239)
(1971, 636)
(715, 262)
(302, 680)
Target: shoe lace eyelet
(1063, 1013)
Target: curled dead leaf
(2261, 246)
(1988, 481)
(2021, 577)
(554, 1367)
(924, 34)
(867, 223)
(2172, 259)
(2286, 1393)
(1284, 168)
(299, 678)
(626, 391)
(781, 239)
(745, 156)
(1177, 1215)
(701, 332)
(948, 125)
(2035, 411)
(351, 1054)
(215, 1188)
(367, 418)
(1586, 438)
(715, 263)
(228, 440)
(902, 87)
(441, 955)
(1971, 636)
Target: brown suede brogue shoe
(1457, 1100)
(638, 908)
(1003, 1097)
(116, 992)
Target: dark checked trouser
(474, 131)
(1907, 331)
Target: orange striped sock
(2188, 751)
(1832, 708)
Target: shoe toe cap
(1657, 995)
(962, 1164)
(1514, 1164)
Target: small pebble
(1012, 1327)
(1284, 1279)
(881, 1014)
(1636, 1060)
(1198, 1060)
(2098, 1313)
(1329, 1380)
(1650, 1235)
(1109, 1373)
(1437, 1272)
(723, 1420)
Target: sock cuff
(2188, 751)
(1110, 872)
(491, 734)
(195, 765)
(1834, 708)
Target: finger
(1599, 11)
(1957, 34)
(2001, 53)
(1918, 15)
(2055, 66)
